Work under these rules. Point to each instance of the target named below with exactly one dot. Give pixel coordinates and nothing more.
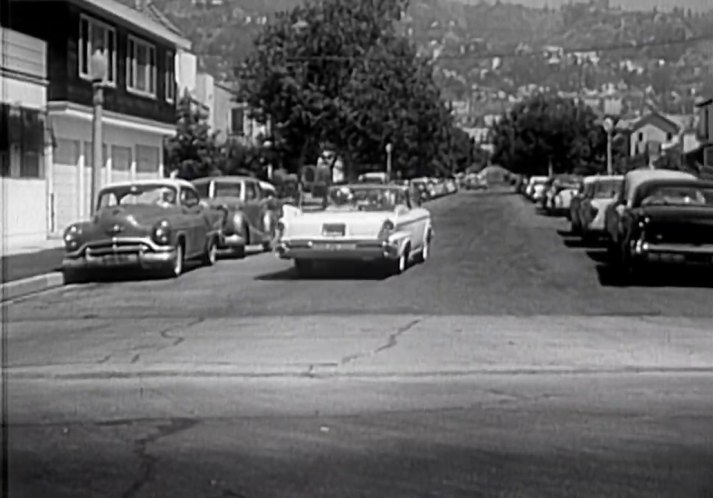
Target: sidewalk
(19, 262)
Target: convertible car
(251, 209)
(146, 224)
(378, 223)
(669, 221)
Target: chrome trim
(121, 242)
(648, 247)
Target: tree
(192, 152)
(338, 72)
(548, 131)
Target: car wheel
(304, 268)
(401, 264)
(211, 253)
(176, 266)
(425, 252)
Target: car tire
(425, 252)
(175, 267)
(400, 265)
(211, 252)
(304, 268)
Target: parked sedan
(599, 193)
(378, 223)
(149, 224)
(669, 221)
(624, 202)
(251, 208)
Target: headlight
(162, 233)
(386, 229)
(237, 221)
(643, 222)
(71, 236)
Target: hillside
(462, 36)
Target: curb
(30, 285)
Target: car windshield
(606, 189)
(363, 198)
(679, 196)
(227, 189)
(156, 194)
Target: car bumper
(361, 250)
(673, 253)
(144, 261)
(231, 241)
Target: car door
(252, 206)
(408, 219)
(197, 225)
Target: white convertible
(360, 222)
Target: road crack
(147, 462)
(391, 342)
(164, 334)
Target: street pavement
(506, 365)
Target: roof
(704, 102)
(601, 178)
(658, 120)
(168, 182)
(633, 179)
(230, 178)
(146, 18)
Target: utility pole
(99, 70)
(608, 126)
(389, 150)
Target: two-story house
(23, 141)
(139, 47)
(650, 133)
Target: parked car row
(158, 225)
(648, 216)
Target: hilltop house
(139, 47)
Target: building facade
(24, 146)
(140, 93)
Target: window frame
(169, 76)
(111, 32)
(132, 66)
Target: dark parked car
(669, 221)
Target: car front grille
(109, 248)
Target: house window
(89, 154)
(641, 136)
(96, 36)
(21, 142)
(67, 152)
(170, 82)
(120, 158)
(147, 158)
(237, 115)
(141, 67)
(669, 136)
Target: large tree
(337, 72)
(548, 131)
(192, 152)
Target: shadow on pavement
(658, 276)
(329, 272)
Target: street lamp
(98, 74)
(389, 150)
(268, 147)
(608, 126)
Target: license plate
(335, 246)
(118, 259)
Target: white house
(24, 152)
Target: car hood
(356, 223)
(127, 220)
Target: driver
(342, 196)
(167, 196)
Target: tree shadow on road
(329, 272)
(657, 276)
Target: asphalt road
(504, 366)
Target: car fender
(402, 237)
